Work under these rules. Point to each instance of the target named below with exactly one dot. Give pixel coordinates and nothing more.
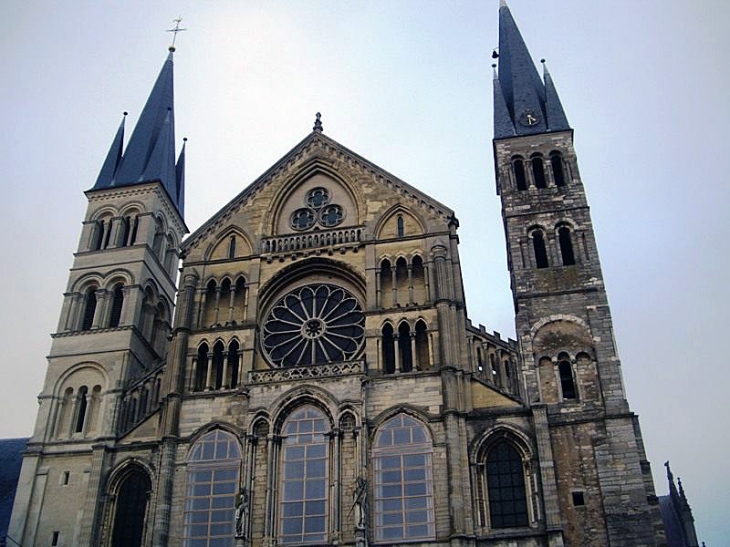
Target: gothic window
(126, 227)
(404, 347)
(318, 197)
(401, 281)
(519, 170)
(538, 244)
(218, 365)
(566, 246)
(331, 215)
(201, 368)
(130, 510)
(556, 162)
(89, 309)
(304, 481)
(212, 485)
(301, 219)
(567, 384)
(388, 349)
(81, 406)
(318, 210)
(98, 235)
(419, 281)
(401, 230)
(232, 247)
(386, 283)
(423, 354)
(210, 305)
(233, 361)
(117, 301)
(314, 324)
(538, 172)
(506, 486)
(403, 490)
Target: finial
(494, 70)
(318, 123)
(125, 113)
(681, 488)
(185, 139)
(174, 33)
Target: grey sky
(406, 84)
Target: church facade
(309, 376)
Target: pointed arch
(220, 248)
(129, 491)
(387, 226)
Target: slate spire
(524, 104)
(150, 153)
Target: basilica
(300, 370)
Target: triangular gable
(316, 138)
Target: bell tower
(595, 477)
(112, 335)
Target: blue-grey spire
(111, 164)
(180, 180)
(525, 102)
(150, 153)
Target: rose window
(314, 324)
(318, 210)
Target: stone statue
(242, 502)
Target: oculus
(314, 324)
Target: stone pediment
(286, 201)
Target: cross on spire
(174, 32)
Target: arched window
(67, 404)
(212, 485)
(232, 247)
(126, 228)
(98, 235)
(404, 347)
(519, 169)
(218, 365)
(538, 172)
(506, 486)
(556, 162)
(233, 362)
(567, 384)
(89, 309)
(82, 404)
(117, 301)
(401, 226)
(566, 246)
(386, 284)
(423, 354)
(135, 227)
(388, 349)
(401, 281)
(303, 501)
(130, 510)
(538, 244)
(403, 489)
(201, 368)
(212, 301)
(419, 281)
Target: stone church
(300, 370)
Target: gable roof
(315, 138)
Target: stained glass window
(506, 487)
(403, 481)
(210, 500)
(303, 504)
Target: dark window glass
(89, 310)
(81, 406)
(117, 301)
(331, 216)
(400, 226)
(232, 247)
(578, 499)
(566, 246)
(538, 172)
(506, 487)
(556, 162)
(388, 350)
(538, 243)
(98, 234)
(404, 345)
(130, 510)
(567, 385)
(126, 227)
(520, 179)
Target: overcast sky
(407, 84)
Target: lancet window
(403, 283)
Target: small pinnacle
(171, 49)
(125, 113)
(185, 139)
(542, 61)
(318, 123)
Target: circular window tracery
(314, 324)
(318, 210)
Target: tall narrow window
(538, 172)
(135, 227)
(232, 247)
(117, 301)
(89, 309)
(81, 406)
(423, 355)
(556, 162)
(303, 503)
(218, 365)
(506, 487)
(404, 347)
(567, 384)
(566, 246)
(126, 227)
(98, 235)
(519, 169)
(404, 508)
(201, 368)
(401, 226)
(212, 485)
(108, 233)
(538, 243)
(388, 349)
(131, 507)
(386, 284)
(233, 361)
